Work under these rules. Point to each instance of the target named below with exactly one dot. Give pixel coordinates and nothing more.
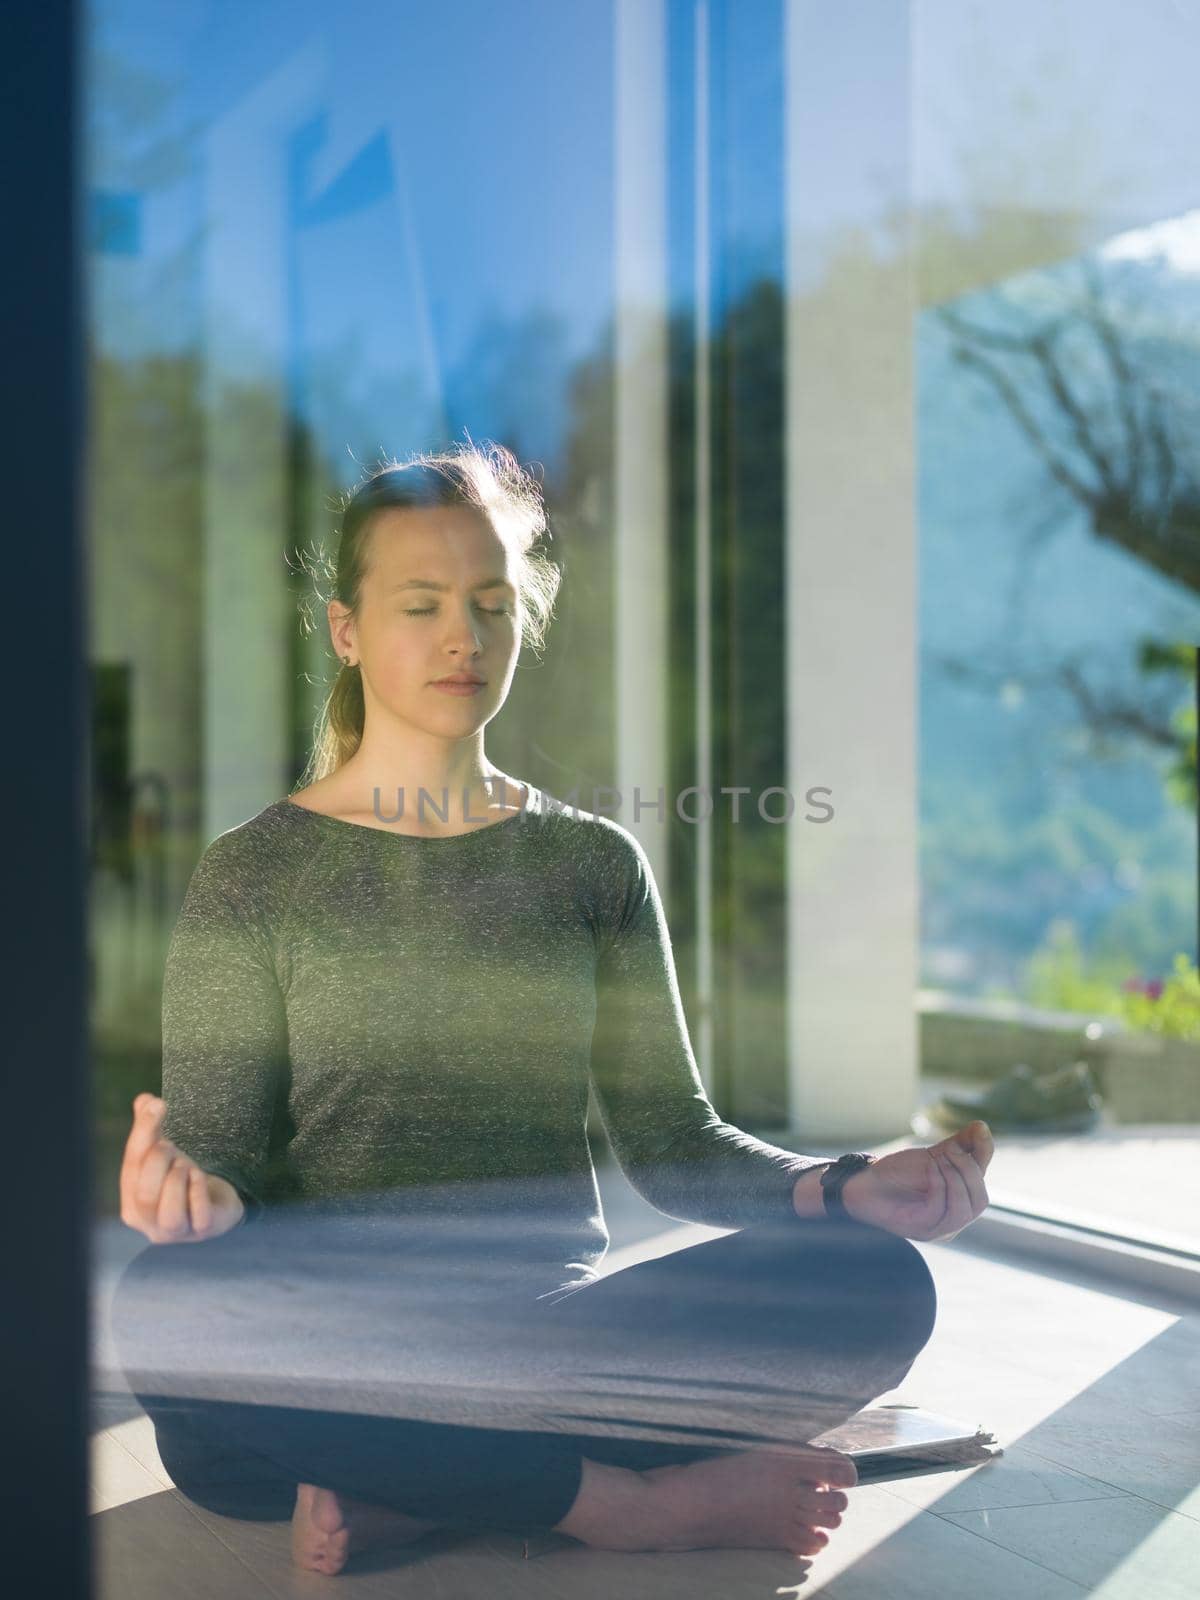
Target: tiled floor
(1094, 1396)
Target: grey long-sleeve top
(387, 1024)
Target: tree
(1118, 451)
(1101, 411)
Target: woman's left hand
(927, 1192)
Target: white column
(640, 381)
(248, 607)
(851, 582)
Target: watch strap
(833, 1180)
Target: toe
(808, 1540)
(825, 1509)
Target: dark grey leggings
(450, 1391)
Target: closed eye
(428, 611)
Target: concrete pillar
(641, 503)
(851, 581)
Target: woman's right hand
(164, 1194)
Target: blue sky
(467, 152)
(452, 166)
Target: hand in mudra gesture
(927, 1192)
(164, 1193)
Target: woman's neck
(456, 799)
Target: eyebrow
(443, 588)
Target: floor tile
(1093, 1542)
(1016, 1478)
(154, 1547)
(115, 1477)
(885, 1548)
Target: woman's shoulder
(255, 863)
(595, 824)
(606, 850)
(278, 830)
(326, 797)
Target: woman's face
(439, 597)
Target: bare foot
(755, 1499)
(326, 1527)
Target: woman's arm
(673, 1147)
(224, 1025)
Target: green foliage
(1057, 977)
(1179, 661)
(1175, 1012)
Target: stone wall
(1143, 1077)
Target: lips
(458, 679)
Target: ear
(341, 628)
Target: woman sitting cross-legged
(381, 1023)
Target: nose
(464, 632)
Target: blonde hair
(487, 477)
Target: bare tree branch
(1102, 712)
(1123, 378)
(1021, 415)
(1142, 499)
(1042, 347)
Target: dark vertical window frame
(48, 1156)
(723, 578)
(748, 534)
(746, 567)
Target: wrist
(852, 1190)
(808, 1197)
(808, 1200)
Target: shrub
(1057, 978)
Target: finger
(971, 1176)
(156, 1163)
(977, 1139)
(147, 1118)
(173, 1217)
(200, 1200)
(148, 1112)
(958, 1201)
(938, 1197)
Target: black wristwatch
(834, 1178)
